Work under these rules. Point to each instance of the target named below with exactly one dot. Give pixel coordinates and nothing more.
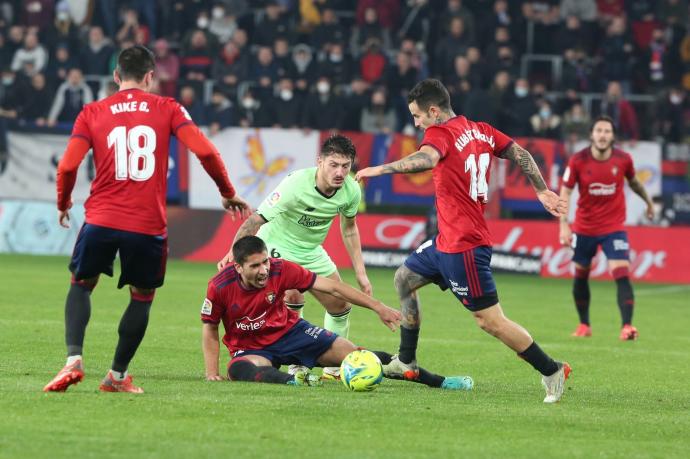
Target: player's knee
(400, 281)
(241, 370)
(145, 295)
(338, 308)
(490, 324)
(86, 284)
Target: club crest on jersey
(614, 170)
(270, 297)
(206, 307)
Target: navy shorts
(142, 257)
(615, 246)
(467, 274)
(302, 345)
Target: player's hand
(227, 259)
(63, 216)
(556, 205)
(237, 205)
(364, 284)
(650, 213)
(214, 378)
(367, 172)
(390, 317)
(565, 235)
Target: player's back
(461, 180)
(129, 133)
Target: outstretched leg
(391, 370)
(255, 368)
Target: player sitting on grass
(262, 333)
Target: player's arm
(426, 158)
(198, 143)
(525, 161)
(639, 190)
(77, 148)
(565, 234)
(390, 317)
(350, 234)
(248, 228)
(210, 344)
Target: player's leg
(391, 370)
(616, 248)
(256, 368)
(584, 249)
(93, 254)
(143, 259)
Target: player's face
(422, 119)
(254, 270)
(333, 169)
(602, 135)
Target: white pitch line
(662, 290)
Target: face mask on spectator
(676, 99)
(218, 13)
(285, 94)
(7, 80)
(323, 87)
(521, 92)
(544, 112)
(202, 22)
(336, 57)
(248, 103)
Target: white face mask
(323, 87)
(202, 22)
(218, 13)
(285, 94)
(336, 57)
(521, 92)
(676, 99)
(248, 103)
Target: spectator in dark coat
(520, 108)
(219, 113)
(193, 105)
(255, 112)
(95, 56)
(323, 110)
(669, 117)
(287, 105)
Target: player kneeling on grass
(262, 334)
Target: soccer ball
(361, 371)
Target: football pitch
(624, 399)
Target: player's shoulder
(350, 185)
(581, 156)
(621, 154)
(300, 178)
(225, 277)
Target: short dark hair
(430, 92)
(338, 145)
(134, 63)
(246, 246)
(605, 118)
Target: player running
(129, 133)
(460, 152)
(262, 334)
(599, 172)
(295, 218)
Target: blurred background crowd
(539, 68)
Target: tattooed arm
(550, 200)
(639, 190)
(426, 158)
(248, 228)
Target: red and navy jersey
(601, 205)
(461, 180)
(129, 133)
(254, 318)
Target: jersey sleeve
(570, 174)
(179, 116)
(629, 167)
(501, 140)
(212, 308)
(279, 200)
(81, 128)
(439, 138)
(353, 204)
(296, 277)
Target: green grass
(624, 399)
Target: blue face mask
(521, 92)
(544, 112)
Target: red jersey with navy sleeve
(601, 205)
(461, 180)
(254, 318)
(129, 133)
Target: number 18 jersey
(129, 133)
(461, 180)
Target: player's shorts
(316, 260)
(142, 257)
(302, 345)
(615, 246)
(467, 274)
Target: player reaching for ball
(262, 333)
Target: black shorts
(142, 256)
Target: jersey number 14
(134, 152)
(479, 188)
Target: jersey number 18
(134, 152)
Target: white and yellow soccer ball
(361, 371)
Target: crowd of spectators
(348, 64)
